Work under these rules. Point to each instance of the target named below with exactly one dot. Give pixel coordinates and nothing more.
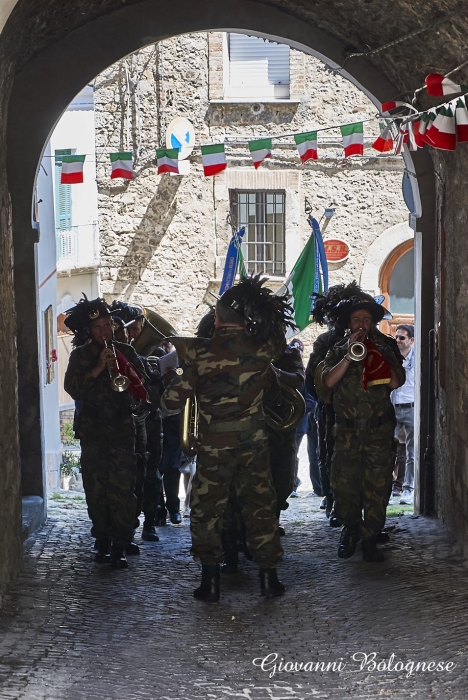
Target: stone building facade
(164, 238)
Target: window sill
(257, 100)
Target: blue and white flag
(233, 256)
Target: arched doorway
(396, 282)
(56, 66)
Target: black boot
(209, 587)
(132, 549)
(269, 584)
(149, 533)
(103, 545)
(118, 560)
(370, 552)
(348, 540)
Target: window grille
(263, 215)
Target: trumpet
(118, 381)
(357, 351)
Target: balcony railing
(77, 247)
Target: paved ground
(73, 630)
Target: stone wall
(164, 238)
(10, 494)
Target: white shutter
(257, 68)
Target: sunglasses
(401, 337)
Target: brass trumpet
(357, 351)
(118, 381)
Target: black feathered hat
(324, 304)
(80, 317)
(343, 310)
(206, 325)
(129, 314)
(266, 314)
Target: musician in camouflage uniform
(282, 444)
(228, 373)
(363, 458)
(104, 424)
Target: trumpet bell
(120, 383)
(357, 351)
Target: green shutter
(63, 202)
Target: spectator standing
(403, 401)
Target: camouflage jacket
(350, 400)
(228, 373)
(101, 412)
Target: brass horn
(357, 351)
(293, 403)
(155, 330)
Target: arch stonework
(49, 51)
(378, 253)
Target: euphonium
(155, 330)
(293, 401)
(118, 381)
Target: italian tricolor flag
(168, 160)
(438, 85)
(213, 159)
(122, 165)
(72, 170)
(442, 134)
(388, 106)
(307, 145)
(384, 142)
(353, 139)
(300, 285)
(259, 150)
(461, 117)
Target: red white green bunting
(168, 160)
(307, 146)
(122, 165)
(461, 118)
(442, 134)
(388, 106)
(438, 85)
(384, 142)
(353, 139)
(259, 150)
(72, 170)
(213, 159)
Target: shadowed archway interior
(50, 51)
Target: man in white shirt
(403, 401)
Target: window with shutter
(258, 68)
(63, 201)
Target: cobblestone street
(73, 629)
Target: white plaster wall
(47, 283)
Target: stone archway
(61, 50)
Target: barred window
(263, 215)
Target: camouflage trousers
(282, 449)
(361, 476)
(238, 462)
(109, 481)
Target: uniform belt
(233, 426)
(404, 405)
(362, 423)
